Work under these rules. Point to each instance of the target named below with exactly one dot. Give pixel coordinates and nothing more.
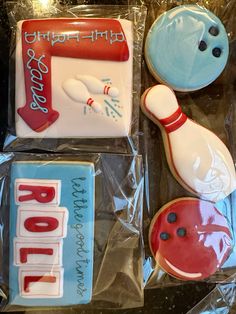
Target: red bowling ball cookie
(190, 239)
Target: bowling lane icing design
(187, 48)
(198, 159)
(190, 239)
(78, 88)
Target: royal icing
(187, 48)
(198, 159)
(70, 78)
(190, 239)
(51, 218)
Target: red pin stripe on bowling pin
(95, 86)
(78, 92)
(198, 159)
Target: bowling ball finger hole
(181, 232)
(171, 218)
(164, 236)
(214, 30)
(202, 45)
(216, 52)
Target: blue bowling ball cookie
(187, 48)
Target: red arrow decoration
(98, 39)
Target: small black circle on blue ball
(164, 236)
(216, 52)
(171, 218)
(181, 232)
(202, 45)
(214, 31)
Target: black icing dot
(172, 217)
(164, 236)
(216, 52)
(202, 45)
(214, 31)
(181, 232)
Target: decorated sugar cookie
(51, 219)
(187, 48)
(190, 239)
(70, 80)
(198, 159)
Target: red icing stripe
(172, 118)
(29, 279)
(174, 121)
(106, 90)
(90, 101)
(177, 124)
(24, 252)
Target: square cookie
(74, 78)
(51, 233)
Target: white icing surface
(161, 101)
(56, 184)
(52, 212)
(75, 121)
(96, 86)
(41, 289)
(55, 259)
(78, 92)
(201, 159)
(183, 273)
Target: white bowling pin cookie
(78, 92)
(95, 86)
(198, 159)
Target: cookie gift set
(191, 234)
(68, 217)
(75, 90)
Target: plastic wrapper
(74, 77)
(219, 300)
(212, 107)
(71, 231)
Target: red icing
(29, 279)
(177, 124)
(42, 194)
(98, 39)
(172, 118)
(25, 251)
(90, 101)
(41, 224)
(203, 249)
(106, 90)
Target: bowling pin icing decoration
(95, 86)
(198, 159)
(187, 48)
(77, 91)
(190, 239)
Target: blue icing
(78, 244)
(172, 47)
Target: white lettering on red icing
(55, 38)
(36, 76)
